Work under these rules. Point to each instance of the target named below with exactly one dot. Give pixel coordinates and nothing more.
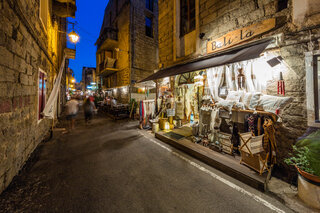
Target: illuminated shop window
(187, 16)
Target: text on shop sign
(237, 36)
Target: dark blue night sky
(89, 17)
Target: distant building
(78, 86)
(127, 47)
(70, 79)
(88, 77)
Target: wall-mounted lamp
(275, 61)
(73, 36)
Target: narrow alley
(110, 166)
(160, 106)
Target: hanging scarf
(251, 124)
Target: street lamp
(73, 36)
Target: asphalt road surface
(111, 166)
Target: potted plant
(306, 158)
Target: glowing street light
(73, 36)
(73, 80)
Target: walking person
(88, 107)
(72, 108)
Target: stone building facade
(129, 37)
(31, 51)
(88, 76)
(297, 32)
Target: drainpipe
(131, 44)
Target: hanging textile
(210, 80)
(230, 78)
(235, 68)
(247, 69)
(215, 78)
(215, 120)
(51, 105)
(188, 99)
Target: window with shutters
(187, 16)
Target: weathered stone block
(5, 105)
(6, 57)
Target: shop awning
(240, 53)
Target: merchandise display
(226, 109)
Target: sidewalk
(283, 191)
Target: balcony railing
(108, 33)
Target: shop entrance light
(275, 61)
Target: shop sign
(240, 35)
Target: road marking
(217, 177)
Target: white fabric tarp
(51, 105)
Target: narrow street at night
(110, 166)
(160, 106)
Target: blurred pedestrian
(72, 108)
(88, 107)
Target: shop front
(224, 105)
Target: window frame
(312, 94)
(189, 29)
(151, 4)
(146, 27)
(44, 90)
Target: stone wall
(25, 46)
(144, 48)
(218, 17)
(165, 26)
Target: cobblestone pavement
(111, 166)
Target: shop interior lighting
(167, 126)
